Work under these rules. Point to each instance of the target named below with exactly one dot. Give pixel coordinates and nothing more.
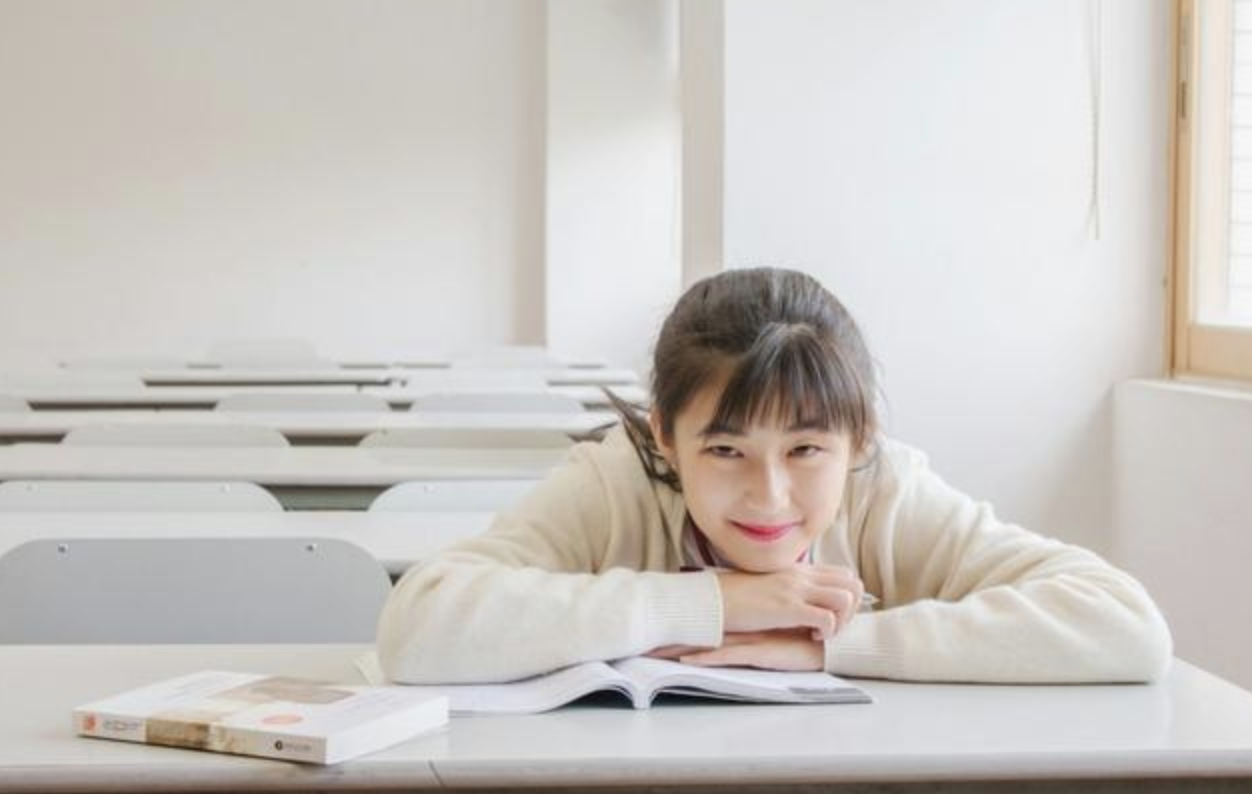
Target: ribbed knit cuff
(683, 609)
(858, 651)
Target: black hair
(788, 350)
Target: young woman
(742, 520)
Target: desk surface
(292, 466)
(278, 377)
(246, 376)
(396, 539)
(1192, 725)
(589, 396)
(301, 426)
(427, 360)
(202, 397)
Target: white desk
(595, 376)
(592, 397)
(282, 378)
(396, 539)
(206, 397)
(314, 477)
(426, 361)
(90, 397)
(1193, 727)
(566, 376)
(300, 427)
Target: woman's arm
(966, 597)
(562, 578)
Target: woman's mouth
(765, 533)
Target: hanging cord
(1096, 69)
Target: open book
(275, 717)
(640, 679)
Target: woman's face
(762, 496)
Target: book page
(738, 683)
(532, 695)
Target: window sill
(1210, 388)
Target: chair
(174, 435)
(64, 496)
(13, 404)
(497, 402)
(275, 402)
(189, 590)
(452, 496)
(267, 353)
(467, 438)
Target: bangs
(790, 378)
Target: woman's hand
(784, 649)
(820, 598)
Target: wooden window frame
(1195, 348)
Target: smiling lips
(765, 533)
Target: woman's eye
(806, 450)
(721, 451)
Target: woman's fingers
(836, 575)
(823, 599)
(842, 602)
(823, 621)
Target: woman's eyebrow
(810, 425)
(719, 429)
(714, 428)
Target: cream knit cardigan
(586, 567)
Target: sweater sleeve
(967, 598)
(560, 579)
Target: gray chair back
(451, 496)
(497, 402)
(279, 402)
(189, 590)
(468, 438)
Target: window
(1212, 279)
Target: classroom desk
(396, 539)
(282, 378)
(300, 427)
(424, 361)
(592, 397)
(1188, 733)
(593, 376)
(301, 477)
(206, 397)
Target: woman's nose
(770, 488)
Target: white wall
(1183, 514)
(613, 175)
(381, 175)
(364, 173)
(931, 162)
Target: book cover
(292, 719)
